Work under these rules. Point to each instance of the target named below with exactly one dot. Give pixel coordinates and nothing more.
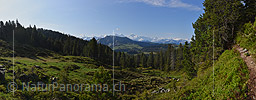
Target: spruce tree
(93, 48)
(150, 61)
(187, 62)
(143, 60)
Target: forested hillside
(63, 44)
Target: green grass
(231, 75)
(86, 69)
(46, 63)
(142, 79)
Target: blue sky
(153, 18)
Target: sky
(151, 18)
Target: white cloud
(167, 3)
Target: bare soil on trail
(252, 69)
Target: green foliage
(187, 62)
(128, 46)
(217, 28)
(179, 53)
(247, 37)
(143, 60)
(232, 71)
(64, 75)
(102, 77)
(229, 81)
(150, 61)
(92, 48)
(250, 11)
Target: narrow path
(252, 69)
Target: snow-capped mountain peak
(145, 39)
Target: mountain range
(144, 39)
(125, 44)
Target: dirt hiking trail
(252, 69)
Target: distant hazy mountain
(146, 39)
(108, 40)
(125, 44)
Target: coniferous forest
(217, 63)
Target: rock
(38, 67)
(251, 62)
(54, 79)
(162, 91)
(2, 73)
(168, 90)
(245, 50)
(155, 91)
(2, 67)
